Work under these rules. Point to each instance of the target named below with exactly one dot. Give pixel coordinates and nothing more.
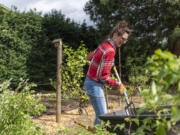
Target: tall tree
(152, 20)
(57, 25)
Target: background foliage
(26, 44)
(20, 34)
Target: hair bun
(123, 24)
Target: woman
(100, 68)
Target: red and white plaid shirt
(102, 60)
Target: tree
(174, 42)
(26, 49)
(151, 22)
(57, 25)
(20, 33)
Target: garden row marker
(58, 44)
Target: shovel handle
(116, 73)
(126, 98)
(125, 94)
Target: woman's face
(119, 40)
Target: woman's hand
(121, 89)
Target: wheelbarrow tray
(118, 117)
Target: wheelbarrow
(118, 117)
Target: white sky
(70, 8)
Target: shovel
(130, 108)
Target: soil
(70, 111)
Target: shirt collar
(112, 42)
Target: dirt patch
(70, 111)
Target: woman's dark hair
(120, 28)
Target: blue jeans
(95, 91)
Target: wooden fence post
(58, 44)
(119, 52)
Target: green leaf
(154, 90)
(158, 52)
(160, 130)
(136, 121)
(175, 113)
(163, 73)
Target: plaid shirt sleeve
(90, 55)
(105, 71)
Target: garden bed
(70, 112)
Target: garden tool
(130, 108)
(89, 128)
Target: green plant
(21, 36)
(164, 68)
(16, 108)
(73, 72)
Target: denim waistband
(92, 82)
(93, 88)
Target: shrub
(73, 73)
(16, 108)
(164, 68)
(21, 38)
